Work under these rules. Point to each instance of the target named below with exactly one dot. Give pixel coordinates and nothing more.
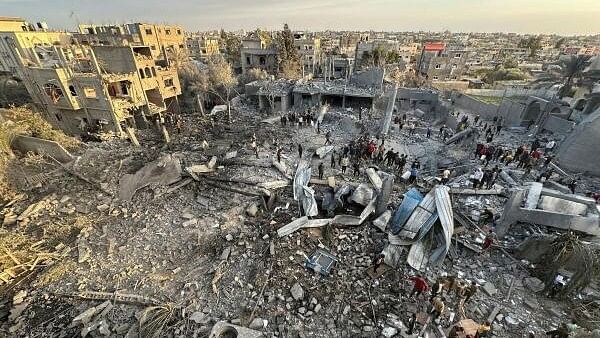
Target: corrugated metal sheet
(533, 195)
(443, 205)
(412, 198)
(421, 215)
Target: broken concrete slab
(534, 284)
(322, 151)
(25, 144)
(374, 178)
(283, 169)
(382, 221)
(302, 222)
(362, 195)
(164, 171)
(223, 329)
(203, 168)
(489, 288)
(297, 292)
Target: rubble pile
(211, 234)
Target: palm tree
(571, 68)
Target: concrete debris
(297, 292)
(203, 168)
(362, 195)
(382, 221)
(164, 171)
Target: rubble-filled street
(205, 233)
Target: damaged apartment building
(441, 62)
(361, 90)
(92, 88)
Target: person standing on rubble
(477, 177)
(401, 163)
(300, 150)
(279, 151)
(411, 324)
(488, 241)
(178, 124)
(378, 261)
(573, 185)
(419, 287)
(344, 164)
(438, 308)
(321, 170)
(550, 146)
(494, 176)
(332, 160)
(428, 131)
(328, 137)
(469, 292)
(436, 289)
(356, 166)
(445, 176)
(411, 128)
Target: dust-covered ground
(176, 259)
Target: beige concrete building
(81, 88)
(309, 50)
(12, 24)
(165, 41)
(201, 47)
(256, 52)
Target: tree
(289, 63)
(253, 74)
(221, 81)
(499, 73)
(392, 57)
(534, 43)
(232, 44)
(571, 69)
(195, 81)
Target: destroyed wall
(510, 110)
(557, 125)
(579, 151)
(415, 98)
(371, 78)
(115, 59)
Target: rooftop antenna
(75, 17)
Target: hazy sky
(521, 16)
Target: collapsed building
(93, 88)
(360, 91)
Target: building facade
(439, 62)
(165, 41)
(256, 52)
(81, 88)
(201, 47)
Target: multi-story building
(201, 47)
(13, 24)
(165, 42)
(257, 52)
(309, 50)
(439, 62)
(80, 87)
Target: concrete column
(284, 103)
(297, 100)
(131, 134)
